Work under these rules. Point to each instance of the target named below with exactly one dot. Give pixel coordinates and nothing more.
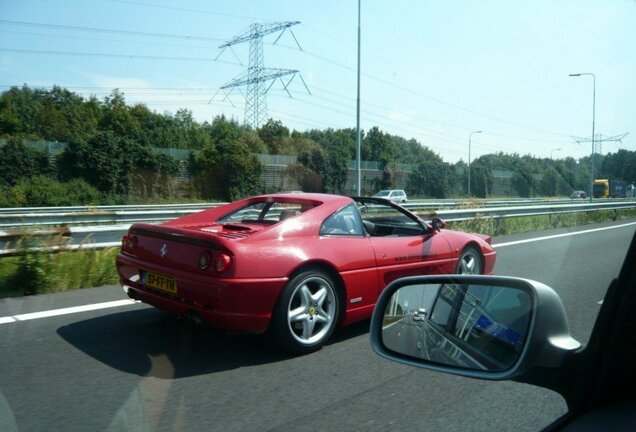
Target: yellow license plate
(161, 283)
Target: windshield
(131, 130)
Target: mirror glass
(469, 326)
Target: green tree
(432, 178)
(102, 161)
(227, 168)
(307, 171)
(273, 134)
(523, 181)
(481, 180)
(151, 173)
(18, 161)
(548, 185)
(203, 167)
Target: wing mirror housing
(438, 224)
(487, 327)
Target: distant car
(296, 264)
(419, 315)
(578, 194)
(396, 195)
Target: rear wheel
(470, 262)
(307, 312)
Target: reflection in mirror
(468, 326)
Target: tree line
(110, 159)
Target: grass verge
(39, 272)
(521, 224)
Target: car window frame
(357, 216)
(426, 228)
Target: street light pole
(358, 137)
(556, 181)
(470, 135)
(593, 122)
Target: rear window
(266, 212)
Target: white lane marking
(601, 302)
(65, 311)
(512, 243)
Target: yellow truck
(600, 188)
(604, 188)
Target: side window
(382, 220)
(345, 222)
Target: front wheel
(470, 262)
(306, 313)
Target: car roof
(303, 196)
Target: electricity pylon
(259, 79)
(599, 139)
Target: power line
(315, 55)
(108, 30)
(132, 56)
(433, 134)
(599, 139)
(419, 117)
(102, 39)
(393, 63)
(431, 98)
(402, 125)
(406, 126)
(203, 11)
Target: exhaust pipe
(131, 292)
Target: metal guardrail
(11, 218)
(533, 210)
(100, 236)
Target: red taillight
(222, 262)
(128, 243)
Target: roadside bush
(33, 270)
(43, 191)
(40, 272)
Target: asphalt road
(133, 368)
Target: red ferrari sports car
(295, 264)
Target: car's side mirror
(488, 327)
(438, 224)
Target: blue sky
(433, 71)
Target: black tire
(470, 261)
(306, 313)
